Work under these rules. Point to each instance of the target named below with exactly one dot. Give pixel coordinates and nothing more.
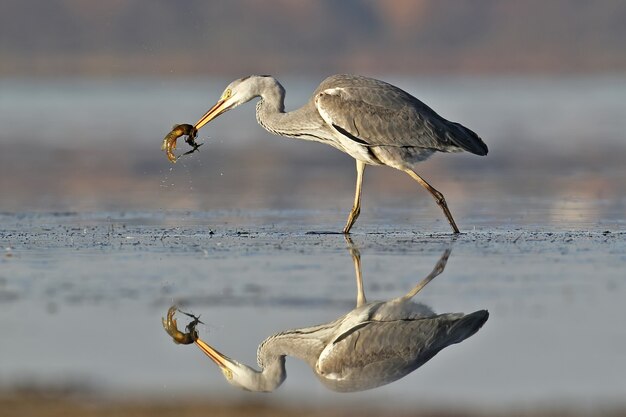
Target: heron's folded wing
(383, 115)
(393, 343)
(377, 354)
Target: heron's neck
(305, 344)
(271, 376)
(271, 115)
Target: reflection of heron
(374, 122)
(373, 345)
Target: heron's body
(370, 120)
(374, 122)
(372, 345)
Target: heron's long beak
(221, 360)
(219, 108)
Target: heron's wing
(379, 352)
(375, 113)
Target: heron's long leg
(438, 269)
(441, 201)
(356, 207)
(356, 259)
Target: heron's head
(239, 92)
(242, 376)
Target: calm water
(82, 296)
(82, 291)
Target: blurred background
(88, 90)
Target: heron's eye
(226, 94)
(228, 374)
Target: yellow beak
(213, 112)
(220, 359)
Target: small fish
(169, 142)
(170, 326)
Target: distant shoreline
(187, 65)
(44, 404)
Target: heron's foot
(441, 264)
(441, 202)
(455, 229)
(171, 327)
(354, 214)
(169, 142)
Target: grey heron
(373, 121)
(374, 344)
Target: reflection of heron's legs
(356, 207)
(438, 269)
(360, 294)
(441, 201)
(356, 258)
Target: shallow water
(82, 295)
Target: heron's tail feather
(467, 326)
(466, 139)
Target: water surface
(82, 296)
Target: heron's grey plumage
(369, 112)
(381, 114)
(371, 120)
(370, 352)
(380, 352)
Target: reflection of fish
(171, 328)
(169, 142)
(372, 345)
